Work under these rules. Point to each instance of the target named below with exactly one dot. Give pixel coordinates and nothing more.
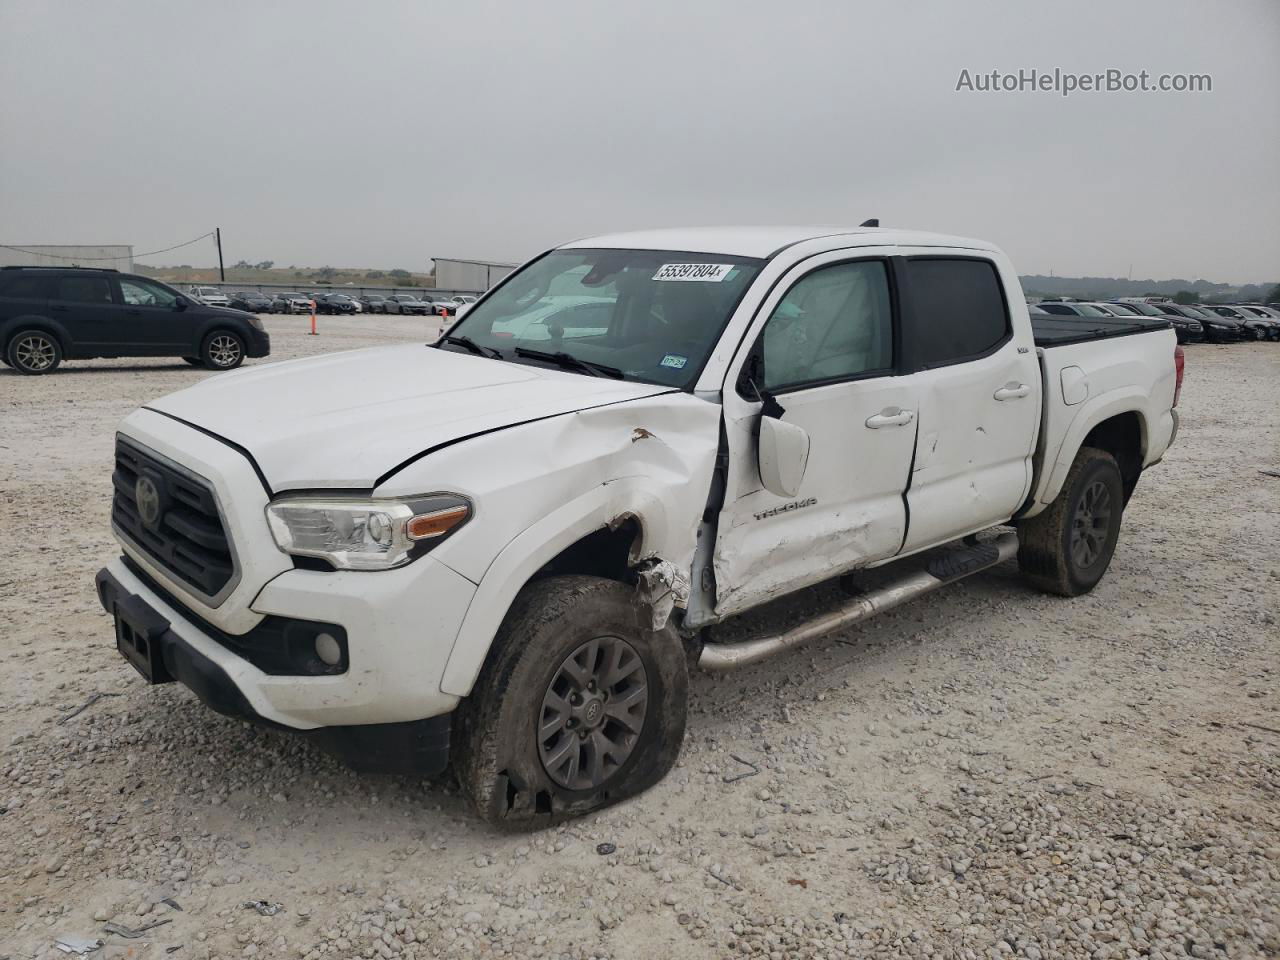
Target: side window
(84, 289)
(833, 324)
(24, 287)
(141, 293)
(959, 308)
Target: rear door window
(95, 290)
(958, 309)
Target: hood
(228, 312)
(347, 419)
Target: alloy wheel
(1090, 524)
(35, 352)
(224, 350)
(593, 713)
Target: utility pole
(217, 234)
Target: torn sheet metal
(80, 946)
(662, 587)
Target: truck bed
(1058, 331)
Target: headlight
(365, 534)
(256, 324)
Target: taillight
(1179, 365)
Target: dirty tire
(222, 350)
(1050, 554)
(496, 746)
(33, 352)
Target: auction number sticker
(703, 272)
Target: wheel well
(602, 553)
(17, 328)
(1122, 437)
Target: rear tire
(579, 705)
(33, 352)
(1067, 548)
(222, 350)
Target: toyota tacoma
(506, 549)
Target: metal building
(471, 275)
(117, 255)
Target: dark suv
(51, 313)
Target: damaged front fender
(661, 586)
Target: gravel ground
(987, 772)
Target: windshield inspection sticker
(704, 272)
(674, 360)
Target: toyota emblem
(147, 496)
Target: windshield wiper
(472, 346)
(568, 361)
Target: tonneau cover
(1058, 330)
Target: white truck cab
(506, 548)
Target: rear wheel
(223, 350)
(34, 352)
(1067, 548)
(581, 704)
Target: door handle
(1012, 391)
(891, 417)
(60, 309)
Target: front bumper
(419, 747)
(259, 344)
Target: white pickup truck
(506, 549)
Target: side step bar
(948, 568)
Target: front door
(824, 361)
(151, 323)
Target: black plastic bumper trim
(416, 747)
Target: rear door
(824, 355)
(978, 400)
(84, 304)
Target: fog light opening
(328, 649)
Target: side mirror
(181, 303)
(783, 454)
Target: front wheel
(580, 704)
(223, 350)
(1067, 548)
(34, 352)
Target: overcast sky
(383, 133)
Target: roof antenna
(873, 222)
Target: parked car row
(1211, 323)
(436, 305)
(331, 301)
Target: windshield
(647, 315)
(1123, 310)
(1145, 309)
